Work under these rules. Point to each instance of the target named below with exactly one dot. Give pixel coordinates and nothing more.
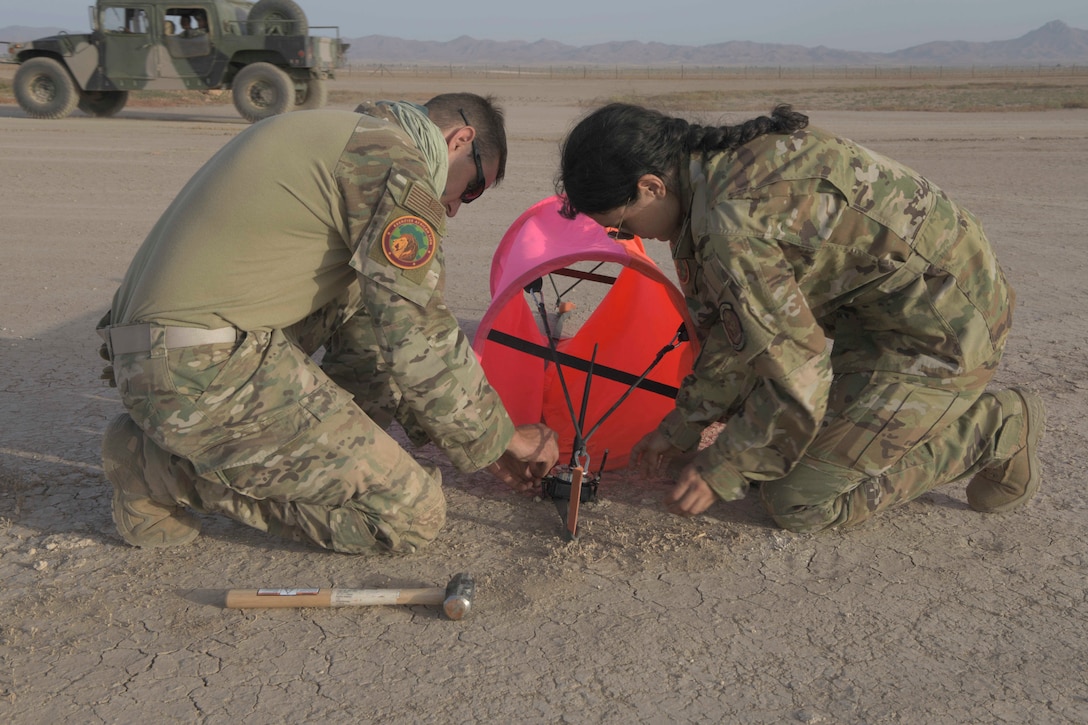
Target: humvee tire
(44, 89)
(278, 17)
(102, 104)
(261, 90)
(314, 95)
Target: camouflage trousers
(887, 438)
(258, 432)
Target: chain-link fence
(726, 73)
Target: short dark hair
(482, 114)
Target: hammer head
(459, 595)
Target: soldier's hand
(531, 454)
(653, 452)
(691, 495)
(514, 474)
(537, 445)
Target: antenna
(574, 483)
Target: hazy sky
(867, 25)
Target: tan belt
(137, 338)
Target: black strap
(578, 363)
(579, 274)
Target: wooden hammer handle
(266, 598)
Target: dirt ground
(930, 614)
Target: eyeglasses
(618, 232)
(473, 191)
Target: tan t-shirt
(260, 237)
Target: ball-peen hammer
(456, 599)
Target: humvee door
(187, 49)
(130, 49)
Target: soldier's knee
(362, 532)
(805, 520)
(807, 500)
(411, 524)
(420, 519)
(798, 517)
(422, 530)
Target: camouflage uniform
(851, 315)
(311, 229)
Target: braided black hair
(609, 150)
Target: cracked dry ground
(932, 614)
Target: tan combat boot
(1010, 484)
(140, 520)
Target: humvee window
(126, 20)
(188, 22)
(191, 39)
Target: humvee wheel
(44, 89)
(313, 94)
(102, 103)
(278, 17)
(261, 90)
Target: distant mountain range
(1053, 44)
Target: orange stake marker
(575, 499)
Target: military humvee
(261, 51)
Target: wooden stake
(575, 498)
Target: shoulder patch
(734, 330)
(409, 242)
(683, 271)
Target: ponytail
(708, 139)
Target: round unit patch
(409, 242)
(683, 271)
(734, 330)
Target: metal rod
(660, 354)
(558, 368)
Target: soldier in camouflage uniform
(316, 229)
(850, 315)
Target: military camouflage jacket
(300, 213)
(796, 241)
